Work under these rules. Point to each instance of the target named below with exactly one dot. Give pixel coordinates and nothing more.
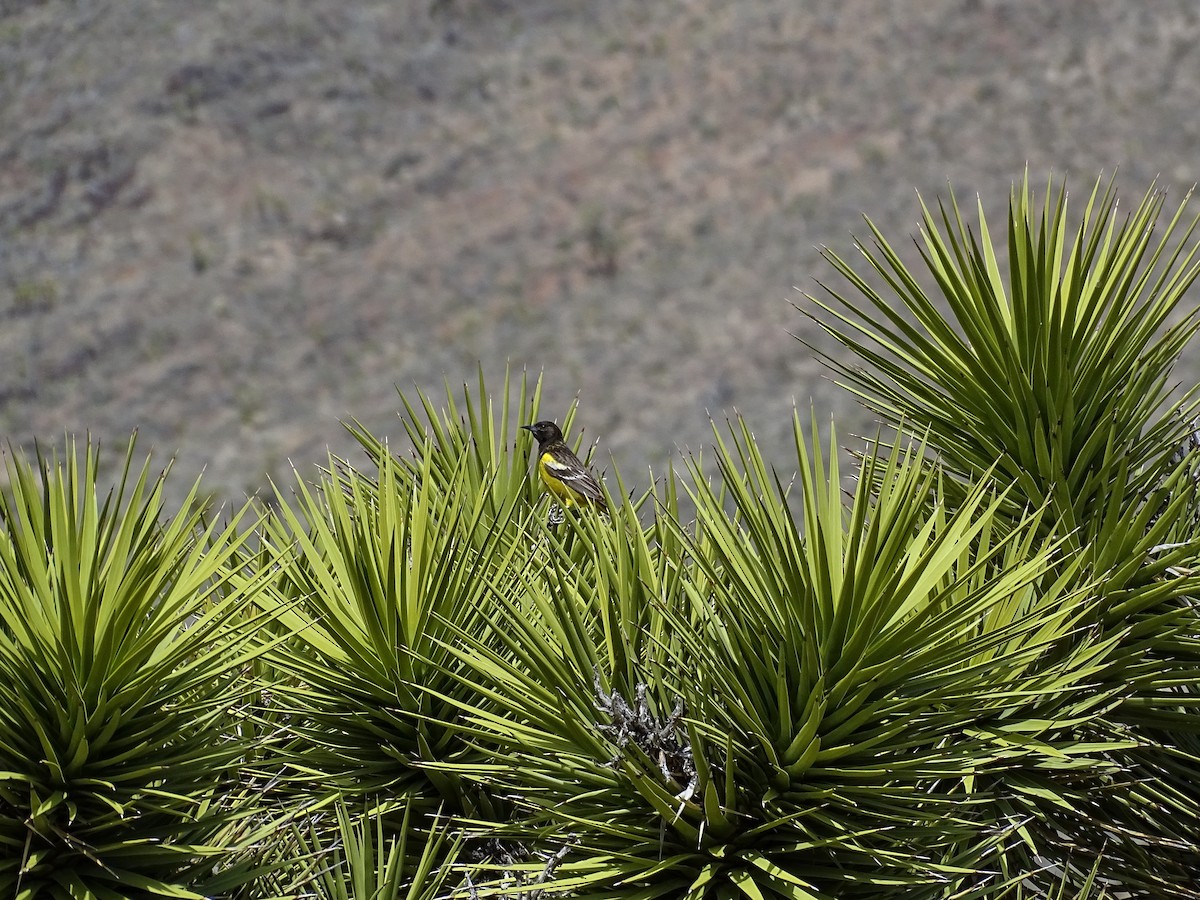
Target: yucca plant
(376, 571)
(380, 569)
(122, 646)
(923, 670)
(869, 702)
(1052, 380)
(1053, 377)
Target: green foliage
(1056, 379)
(867, 700)
(120, 652)
(1054, 384)
(384, 572)
(375, 579)
(358, 858)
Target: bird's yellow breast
(546, 466)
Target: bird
(561, 471)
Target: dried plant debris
(508, 854)
(665, 742)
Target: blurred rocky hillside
(231, 224)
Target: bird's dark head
(544, 432)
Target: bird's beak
(527, 427)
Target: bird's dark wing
(567, 468)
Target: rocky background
(229, 224)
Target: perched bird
(561, 471)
